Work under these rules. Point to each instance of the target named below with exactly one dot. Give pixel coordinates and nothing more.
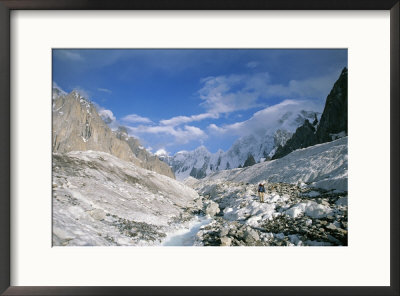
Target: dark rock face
(199, 173)
(334, 117)
(333, 121)
(249, 161)
(302, 138)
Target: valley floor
(100, 200)
(231, 215)
(291, 215)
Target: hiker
(261, 191)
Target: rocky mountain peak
(122, 130)
(245, 151)
(149, 161)
(77, 126)
(57, 92)
(332, 125)
(334, 118)
(202, 150)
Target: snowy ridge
(305, 201)
(261, 145)
(323, 165)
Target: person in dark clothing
(261, 191)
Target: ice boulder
(211, 208)
(225, 241)
(317, 211)
(310, 208)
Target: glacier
(101, 200)
(322, 166)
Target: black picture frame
(7, 6)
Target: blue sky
(180, 99)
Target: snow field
(321, 166)
(99, 199)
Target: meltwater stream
(186, 236)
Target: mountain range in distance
(109, 190)
(292, 131)
(77, 126)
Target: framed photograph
(199, 148)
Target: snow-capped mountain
(322, 166)
(101, 199)
(333, 123)
(197, 163)
(260, 146)
(293, 130)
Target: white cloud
(161, 152)
(104, 113)
(134, 118)
(193, 130)
(181, 135)
(108, 117)
(267, 118)
(215, 128)
(104, 90)
(174, 121)
(55, 85)
(225, 94)
(152, 129)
